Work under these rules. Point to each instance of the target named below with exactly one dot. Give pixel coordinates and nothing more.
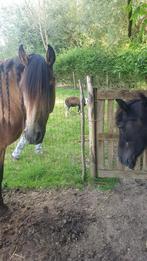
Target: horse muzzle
(128, 162)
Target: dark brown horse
(27, 96)
(73, 101)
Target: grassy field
(60, 163)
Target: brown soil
(76, 225)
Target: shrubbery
(123, 67)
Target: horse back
(72, 101)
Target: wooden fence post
(74, 80)
(82, 102)
(92, 128)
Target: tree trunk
(129, 18)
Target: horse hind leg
(79, 108)
(3, 207)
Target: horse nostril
(130, 163)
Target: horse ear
(22, 55)
(50, 56)
(123, 105)
(143, 98)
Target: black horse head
(131, 119)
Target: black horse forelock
(37, 76)
(119, 112)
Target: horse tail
(1, 93)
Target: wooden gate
(103, 134)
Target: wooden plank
(144, 160)
(110, 118)
(141, 162)
(119, 166)
(105, 154)
(100, 107)
(100, 111)
(107, 136)
(105, 173)
(115, 128)
(138, 164)
(117, 94)
(92, 130)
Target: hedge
(127, 66)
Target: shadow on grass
(101, 183)
(105, 183)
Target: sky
(4, 3)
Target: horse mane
(7, 66)
(37, 75)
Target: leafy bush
(127, 66)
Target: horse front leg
(2, 156)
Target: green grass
(60, 163)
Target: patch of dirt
(73, 225)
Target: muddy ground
(76, 225)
